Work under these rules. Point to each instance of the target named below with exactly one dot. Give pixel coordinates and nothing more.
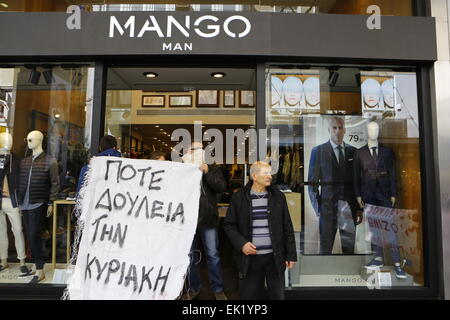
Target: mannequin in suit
(375, 183)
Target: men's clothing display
(331, 168)
(38, 185)
(375, 176)
(39, 177)
(9, 181)
(376, 183)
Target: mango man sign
(139, 220)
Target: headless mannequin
(6, 142)
(373, 132)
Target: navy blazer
(324, 172)
(367, 174)
(11, 170)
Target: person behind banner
(107, 148)
(158, 155)
(213, 183)
(331, 168)
(260, 229)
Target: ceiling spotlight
(333, 78)
(34, 76)
(218, 74)
(77, 78)
(48, 75)
(150, 74)
(4, 5)
(358, 79)
(156, 126)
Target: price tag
(384, 279)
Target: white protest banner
(139, 218)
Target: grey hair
(336, 118)
(256, 167)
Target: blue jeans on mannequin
(210, 240)
(33, 224)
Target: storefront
(140, 75)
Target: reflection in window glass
(45, 121)
(350, 169)
(388, 7)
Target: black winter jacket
(44, 182)
(11, 167)
(238, 227)
(213, 183)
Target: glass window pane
(350, 169)
(45, 132)
(143, 113)
(388, 7)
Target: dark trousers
(262, 269)
(378, 199)
(328, 226)
(33, 222)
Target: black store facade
(77, 84)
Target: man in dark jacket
(107, 148)
(260, 229)
(213, 183)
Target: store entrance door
(146, 106)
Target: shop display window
(349, 165)
(45, 132)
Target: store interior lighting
(35, 76)
(358, 79)
(218, 75)
(334, 76)
(48, 76)
(150, 74)
(77, 78)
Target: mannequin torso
(373, 131)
